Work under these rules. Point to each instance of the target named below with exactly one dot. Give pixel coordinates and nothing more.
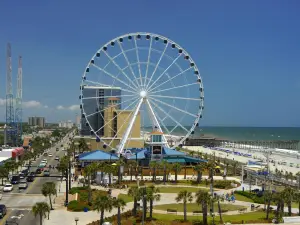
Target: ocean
(242, 133)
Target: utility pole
(67, 189)
(18, 112)
(70, 174)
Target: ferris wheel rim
(184, 52)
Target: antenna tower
(18, 113)
(10, 133)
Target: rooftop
(102, 87)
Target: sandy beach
(276, 157)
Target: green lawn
(126, 197)
(177, 189)
(242, 198)
(247, 217)
(194, 207)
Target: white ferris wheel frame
(143, 89)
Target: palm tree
(89, 171)
(49, 189)
(203, 198)
(135, 193)
(152, 194)
(41, 209)
(268, 196)
(103, 203)
(219, 199)
(109, 169)
(177, 168)
(289, 194)
(153, 165)
(119, 203)
(297, 199)
(234, 166)
(184, 196)
(131, 165)
(83, 147)
(120, 163)
(277, 198)
(199, 169)
(164, 165)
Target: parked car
(8, 188)
(3, 211)
(30, 178)
(39, 170)
(23, 184)
(46, 173)
(57, 158)
(15, 179)
(50, 155)
(57, 149)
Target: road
(19, 203)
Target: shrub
(254, 197)
(77, 189)
(76, 206)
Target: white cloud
(73, 107)
(32, 104)
(26, 104)
(2, 102)
(46, 107)
(60, 107)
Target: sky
(248, 52)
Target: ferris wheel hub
(143, 94)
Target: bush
(76, 206)
(254, 197)
(77, 189)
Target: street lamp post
(76, 220)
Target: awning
(175, 160)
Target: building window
(156, 138)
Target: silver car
(23, 184)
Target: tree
(83, 147)
(164, 165)
(153, 165)
(89, 171)
(268, 197)
(49, 189)
(199, 169)
(119, 203)
(177, 168)
(219, 199)
(152, 194)
(184, 196)
(289, 194)
(203, 198)
(41, 209)
(103, 203)
(297, 199)
(135, 193)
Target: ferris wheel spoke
(105, 85)
(163, 124)
(174, 97)
(119, 68)
(157, 64)
(116, 96)
(182, 72)
(176, 87)
(128, 63)
(148, 60)
(129, 128)
(129, 100)
(114, 77)
(117, 115)
(174, 61)
(127, 119)
(138, 60)
(171, 106)
(168, 115)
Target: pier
(253, 144)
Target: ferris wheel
(141, 75)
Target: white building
(66, 124)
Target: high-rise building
(36, 121)
(66, 124)
(94, 107)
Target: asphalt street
(19, 203)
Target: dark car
(30, 178)
(57, 149)
(31, 174)
(15, 179)
(38, 171)
(3, 211)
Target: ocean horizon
(235, 133)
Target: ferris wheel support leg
(129, 128)
(155, 122)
